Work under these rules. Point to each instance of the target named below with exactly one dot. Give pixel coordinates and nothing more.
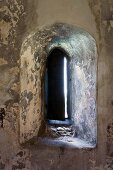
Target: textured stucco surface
(17, 19)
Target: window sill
(67, 142)
(66, 122)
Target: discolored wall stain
(95, 7)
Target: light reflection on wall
(65, 85)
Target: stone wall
(17, 19)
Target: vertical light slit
(65, 85)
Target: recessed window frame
(74, 41)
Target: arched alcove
(81, 49)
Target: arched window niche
(79, 49)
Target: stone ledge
(67, 142)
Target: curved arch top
(81, 48)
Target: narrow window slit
(56, 88)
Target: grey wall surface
(18, 18)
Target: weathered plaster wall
(18, 18)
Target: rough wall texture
(17, 18)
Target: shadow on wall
(81, 49)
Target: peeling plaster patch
(9, 92)
(26, 98)
(12, 115)
(106, 166)
(4, 30)
(110, 130)
(109, 164)
(110, 147)
(11, 13)
(9, 86)
(9, 19)
(3, 62)
(100, 167)
(21, 160)
(105, 23)
(12, 156)
(111, 23)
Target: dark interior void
(56, 82)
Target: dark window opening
(56, 88)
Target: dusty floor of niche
(66, 142)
